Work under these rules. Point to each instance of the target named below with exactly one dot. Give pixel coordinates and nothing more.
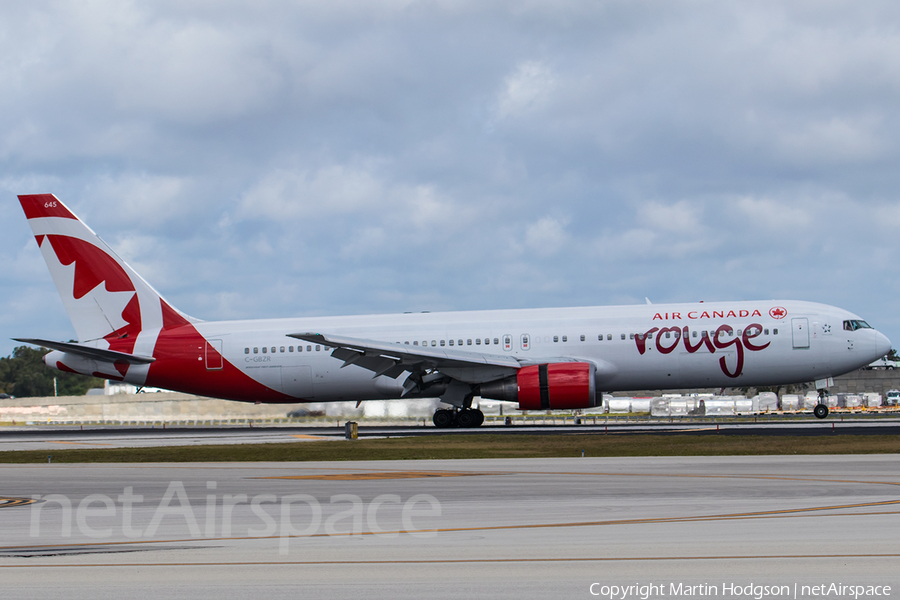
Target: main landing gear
(465, 417)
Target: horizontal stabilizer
(89, 352)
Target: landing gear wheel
(443, 418)
(821, 411)
(479, 417)
(467, 418)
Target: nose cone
(882, 344)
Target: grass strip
(476, 446)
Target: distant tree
(892, 355)
(23, 374)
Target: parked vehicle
(893, 398)
(884, 363)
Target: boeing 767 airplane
(543, 359)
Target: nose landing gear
(821, 409)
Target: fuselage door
(214, 355)
(800, 331)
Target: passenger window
(600, 338)
(290, 348)
(694, 334)
(442, 342)
(264, 349)
(433, 342)
(487, 341)
(623, 336)
(451, 342)
(631, 336)
(582, 338)
(309, 348)
(246, 350)
(459, 342)
(703, 334)
(668, 335)
(416, 343)
(496, 341)
(525, 341)
(766, 332)
(273, 349)
(256, 350)
(609, 337)
(468, 342)
(318, 347)
(774, 332)
(555, 338)
(299, 348)
(477, 341)
(282, 348)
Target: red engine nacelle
(546, 387)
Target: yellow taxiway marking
(381, 475)
(452, 560)
(79, 443)
(374, 475)
(771, 514)
(7, 502)
(705, 476)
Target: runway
(45, 437)
(542, 528)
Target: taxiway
(543, 528)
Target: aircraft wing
(391, 359)
(90, 352)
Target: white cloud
(833, 140)
(526, 89)
(144, 200)
(546, 236)
(682, 216)
(775, 215)
(262, 159)
(288, 194)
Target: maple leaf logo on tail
(105, 298)
(99, 290)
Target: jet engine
(544, 387)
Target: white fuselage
(797, 342)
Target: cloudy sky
(263, 159)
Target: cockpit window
(854, 324)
